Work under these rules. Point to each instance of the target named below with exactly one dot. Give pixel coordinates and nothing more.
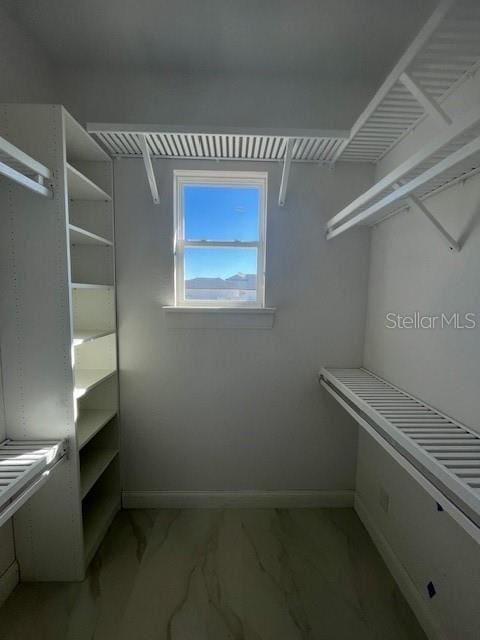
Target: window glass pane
(221, 274)
(221, 212)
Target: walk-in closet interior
(240, 320)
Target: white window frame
(222, 179)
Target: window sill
(220, 317)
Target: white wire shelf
(82, 236)
(444, 451)
(22, 169)
(212, 143)
(90, 422)
(24, 469)
(444, 54)
(452, 156)
(82, 188)
(92, 465)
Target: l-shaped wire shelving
(444, 55)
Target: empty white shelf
(444, 451)
(24, 467)
(87, 379)
(87, 335)
(82, 188)
(80, 145)
(18, 166)
(82, 236)
(96, 520)
(89, 423)
(93, 464)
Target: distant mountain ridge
(237, 281)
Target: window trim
(218, 178)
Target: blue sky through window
(220, 213)
(219, 263)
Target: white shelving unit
(69, 331)
(89, 183)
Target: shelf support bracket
(430, 105)
(413, 201)
(287, 161)
(147, 159)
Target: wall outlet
(384, 499)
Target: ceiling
(324, 39)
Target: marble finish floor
(222, 575)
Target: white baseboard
(8, 581)
(236, 499)
(400, 574)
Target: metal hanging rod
(16, 165)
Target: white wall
(428, 544)
(200, 99)
(26, 74)
(413, 270)
(240, 409)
